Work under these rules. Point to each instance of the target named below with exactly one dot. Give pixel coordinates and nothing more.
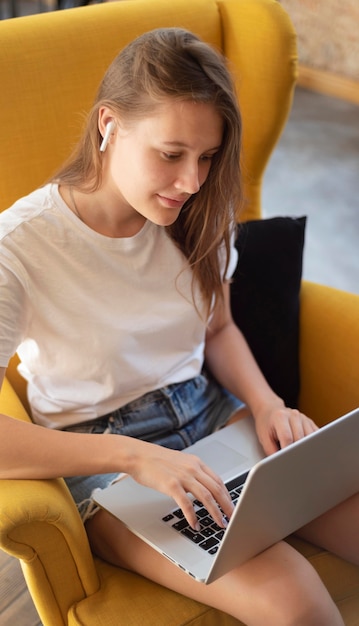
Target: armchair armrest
(329, 352)
(40, 525)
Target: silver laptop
(273, 496)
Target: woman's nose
(188, 179)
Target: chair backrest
(51, 65)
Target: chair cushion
(128, 599)
(265, 297)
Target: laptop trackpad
(219, 457)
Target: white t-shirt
(96, 321)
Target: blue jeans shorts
(175, 416)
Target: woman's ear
(106, 126)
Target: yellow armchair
(51, 65)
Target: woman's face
(153, 165)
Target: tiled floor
(16, 606)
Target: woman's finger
(205, 486)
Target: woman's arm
(230, 360)
(29, 451)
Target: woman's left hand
(279, 427)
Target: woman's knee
(306, 601)
(311, 609)
(287, 591)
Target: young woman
(114, 284)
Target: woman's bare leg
(277, 588)
(337, 530)
(238, 415)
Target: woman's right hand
(179, 474)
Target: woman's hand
(179, 474)
(280, 426)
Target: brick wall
(328, 34)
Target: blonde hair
(174, 63)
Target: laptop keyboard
(210, 534)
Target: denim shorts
(174, 416)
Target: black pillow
(265, 298)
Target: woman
(116, 282)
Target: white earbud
(110, 126)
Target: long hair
(174, 63)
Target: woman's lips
(173, 203)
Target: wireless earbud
(110, 126)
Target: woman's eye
(170, 156)
(173, 156)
